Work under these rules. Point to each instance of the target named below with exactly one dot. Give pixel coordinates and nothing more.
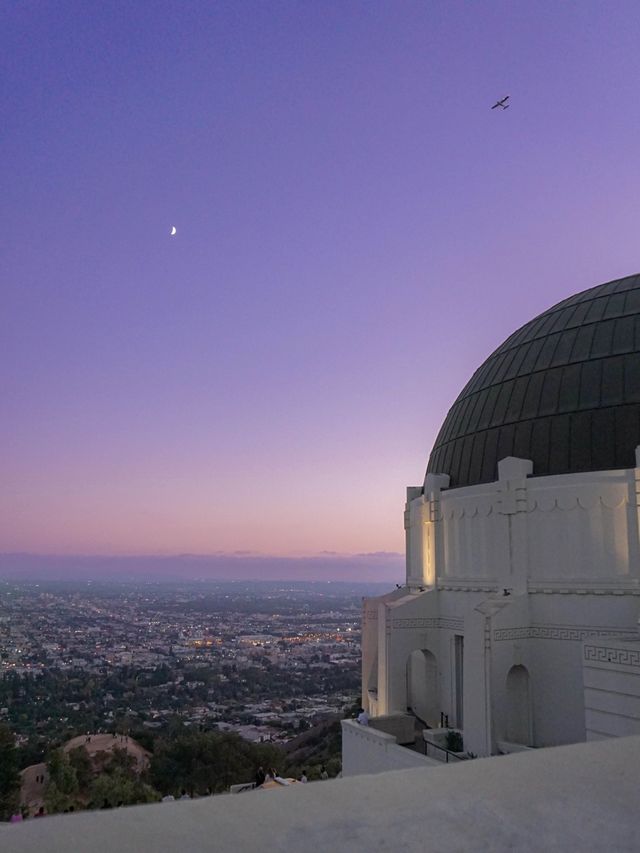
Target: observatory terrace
(563, 391)
(581, 797)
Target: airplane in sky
(502, 103)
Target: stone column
(432, 527)
(512, 502)
(478, 698)
(422, 525)
(384, 630)
(413, 515)
(369, 646)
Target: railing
(240, 789)
(455, 756)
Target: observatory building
(518, 623)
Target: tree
(9, 776)
(56, 800)
(201, 761)
(120, 789)
(81, 762)
(62, 787)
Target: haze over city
(356, 230)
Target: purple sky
(357, 231)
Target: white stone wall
(578, 526)
(366, 750)
(611, 674)
(582, 526)
(474, 534)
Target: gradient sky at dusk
(357, 231)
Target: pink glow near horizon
(357, 231)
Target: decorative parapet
(582, 498)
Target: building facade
(518, 622)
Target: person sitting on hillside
(278, 778)
(260, 777)
(323, 772)
(303, 777)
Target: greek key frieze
(512, 634)
(451, 624)
(426, 622)
(418, 622)
(604, 654)
(557, 632)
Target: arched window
(519, 729)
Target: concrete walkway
(577, 798)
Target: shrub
(454, 741)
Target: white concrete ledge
(366, 749)
(401, 726)
(581, 797)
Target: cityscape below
(109, 674)
(262, 659)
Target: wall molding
(550, 586)
(445, 623)
(608, 654)
(585, 586)
(467, 585)
(573, 633)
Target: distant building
(518, 623)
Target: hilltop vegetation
(9, 777)
(180, 759)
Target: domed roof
(564, 391)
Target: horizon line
(186, 555)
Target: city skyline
(356, 232)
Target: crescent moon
(174, 230)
